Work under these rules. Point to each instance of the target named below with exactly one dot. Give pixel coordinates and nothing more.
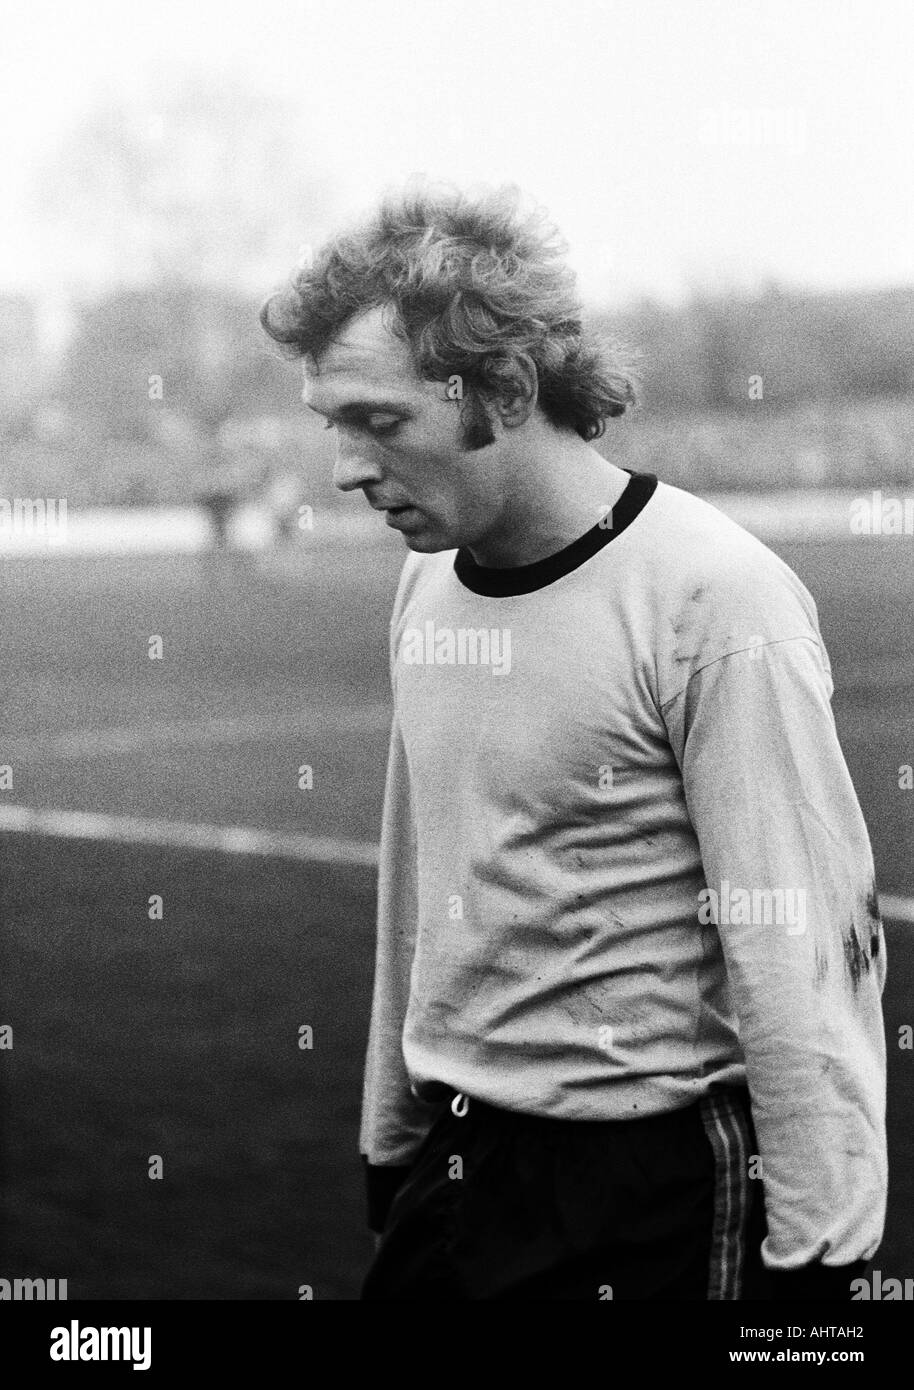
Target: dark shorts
(500, 1205)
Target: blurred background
(735, 187)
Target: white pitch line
(221, 839)
(897, 909)
(234, 839)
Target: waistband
(720, 1100)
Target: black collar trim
(525, 579)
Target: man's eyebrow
(354, 409)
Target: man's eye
(374, 424)
(382, 424)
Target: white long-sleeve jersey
(622, 860)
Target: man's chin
(426, 543)
(423, 535)
(420, 532)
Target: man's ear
(516, 401)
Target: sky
(677, 143)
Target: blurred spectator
(219, 502)
(284, 497)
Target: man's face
(401, 440)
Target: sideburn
(476, 426)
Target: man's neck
(557, 497)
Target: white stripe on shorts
(728, 1131)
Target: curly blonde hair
(474, 283)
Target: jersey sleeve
(789, 881)
(394, 1121)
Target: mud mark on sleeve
(859, 957)
(875, 920)
(856, 959)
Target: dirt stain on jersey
(857, 958)
(872, 912)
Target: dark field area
(179, 1038)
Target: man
(629, 957)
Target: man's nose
(353, 467)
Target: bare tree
(209, 180)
